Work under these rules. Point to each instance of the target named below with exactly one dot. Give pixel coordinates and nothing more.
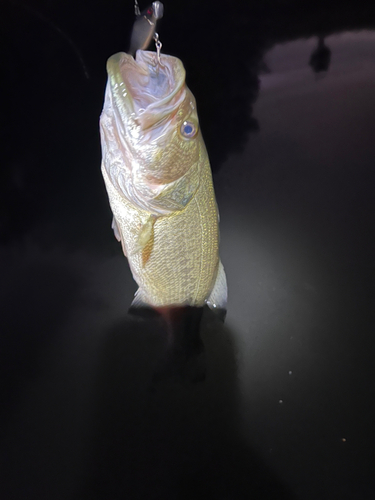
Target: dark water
(286, 99)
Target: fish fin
(147, 250)
(145, 234)
(217, 301)
(141, 308)
(139, 300)
(218, 213)
(117, 234)
(116, 229)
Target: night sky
(285, 92)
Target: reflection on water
(296, 211)
(166, 438)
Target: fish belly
(179, 263)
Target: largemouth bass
(159, 183)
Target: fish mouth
(144, 89)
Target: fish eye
(189, 129)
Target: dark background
(287, 406)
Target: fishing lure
(145, 26)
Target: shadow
(34, 300)
(170, 436)
(321, 57)
(184, 356)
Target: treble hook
(158, 46)
(137, 10)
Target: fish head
(154, 116)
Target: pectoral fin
(145, 235)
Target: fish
(144, 27)
(159, 183)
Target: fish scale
(185, 255)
